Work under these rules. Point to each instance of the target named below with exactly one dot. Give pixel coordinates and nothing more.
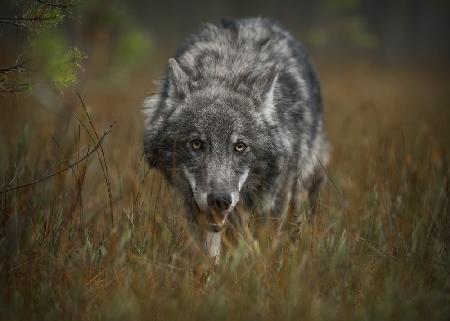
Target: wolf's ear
(178, 81)
(266, 85)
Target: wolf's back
(237, 52)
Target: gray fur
(245, 81)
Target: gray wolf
(238, 118)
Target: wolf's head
(211, 140)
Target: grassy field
(378, 248)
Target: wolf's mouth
(216, 221)
(213, 227)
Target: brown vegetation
(378, 248)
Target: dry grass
(379, 248)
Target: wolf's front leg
(212, 242)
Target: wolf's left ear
(178, 84)
(267, 83)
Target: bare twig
(105, 165)
(16, 24)
(40, 179)
(16, 68)
(65, 160)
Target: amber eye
(239, 147)
(196, 144)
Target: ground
(378, 247)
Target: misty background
(141, 35)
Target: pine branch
(22, 22)
(13, 87)
(56, 5)
(26, 19)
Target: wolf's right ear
(178, 81)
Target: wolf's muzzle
(219, 202)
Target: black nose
(219, 202)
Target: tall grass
(377, 249)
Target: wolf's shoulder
(257, 31)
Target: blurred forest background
(118, 37)
(87, 232)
